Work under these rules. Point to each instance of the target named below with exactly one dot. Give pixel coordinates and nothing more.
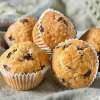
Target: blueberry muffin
(23, 65)
(74, 63)
(93, 37)
(20, 31)
(52, 28)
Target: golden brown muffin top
(93, 36)
(54, 27)
(20, 31)
(23, 57)
(75, 63)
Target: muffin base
(23, 81)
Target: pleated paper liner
(40, 42)
(38, 38)
(24, 81)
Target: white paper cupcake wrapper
(38, 37)
(24, 81)
(40, 42)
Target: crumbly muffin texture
(74, 63)
(24, 57)
(20, 31)
(93, 36)
(53, 27)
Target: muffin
(23, 65)
(20, 31)
(93, 37)
(52, 28)
(74, 63)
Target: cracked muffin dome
(20, 31)
(24, 57)
(74, 63)
(93, 36)
(52, 28)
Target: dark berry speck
(79, 48)
(14, 50)
(28, 56)
(9, 54)
(6, 67)
(62, 19)
(42, 66)
(41, 28)
(11, 38)
(88, 73)
(63, 80)
(24, 21)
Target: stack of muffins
(33, 42)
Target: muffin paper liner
(40, 42)
(23, 81)
(38, 37)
